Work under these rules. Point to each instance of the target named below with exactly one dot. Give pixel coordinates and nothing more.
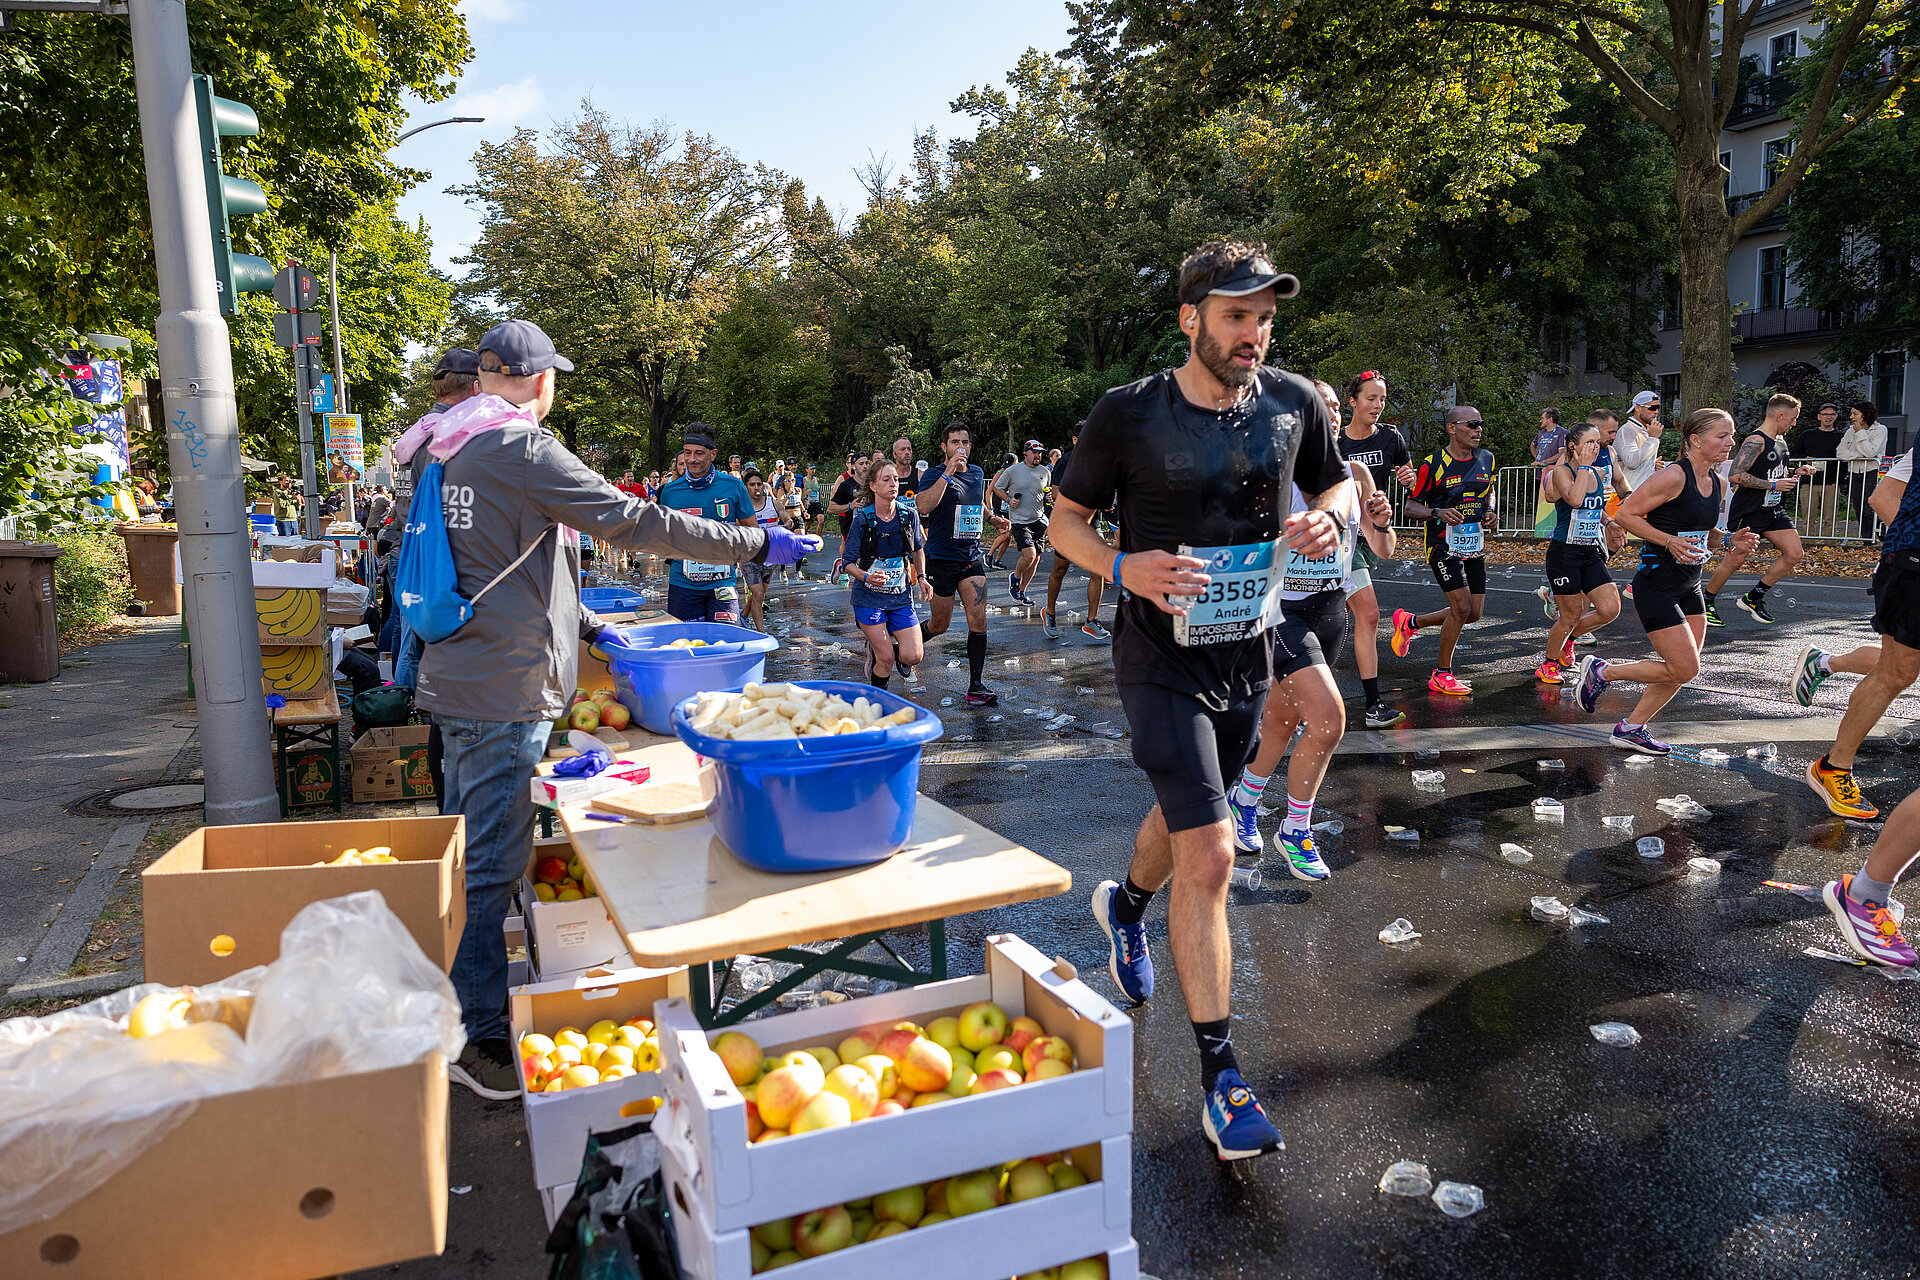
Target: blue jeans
(407, 650)
(489, 764)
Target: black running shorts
(1310, 631)
(1762, 520)
(1896, 605)
(1029, 534)
(1576, 570)
(1660, 609)
(947, 575)
(1456, 574)
(1190, 753)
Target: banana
(295, 667)
(292, 612)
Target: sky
(812, 89)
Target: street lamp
(342, 401)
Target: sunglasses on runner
(1468, 422)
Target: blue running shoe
(1246, 824)
(1591, 682)
(1235, 1122)
(1303, 860)
(1639, 740)
(1127, 959)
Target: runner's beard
(1219, 361)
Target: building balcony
(1759, 100)
(1737, 205)
(1786, 324)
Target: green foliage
(45, 479)
(765, 380)
(90, 583)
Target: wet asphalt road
(1766, 1124)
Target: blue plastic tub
(611, 599)
(651, 679)
(820, 803)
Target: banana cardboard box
(291, 616)
(298, 671)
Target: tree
(1422, 63)
(625, 245)
(765, 378)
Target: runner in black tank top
(1583, 591)
(1675, 516)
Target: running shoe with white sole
(1050, 623)
(1096, 633)
(1380, 715)
(982, 697)
(1757, 608)
(1549, 672)
(1303, 860)
(1807, 676)
(1235, 1122)
(1403, 632)
(1638, 740)
(1447, 682)
(1868, 927)
(1246, 824)
(1840, 791)
(1128, 963)
(487, 1068)
(1015, 590)
(1713, 615)
(1590, 682)
(1545, 593)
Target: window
(1773, 278)
(1781, 50)
(1726, 175)
(1778, 152)
(1593, 357)
(1890, 382)
(1669, 300)
(1670, 396)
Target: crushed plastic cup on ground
(1905, 738)
(1549, 909)
(1713, 755)
(1579, 916)
(1636, 760)
(1617, 1034)
(1016, 768)
(1652, 847)
(995, 719)
(1769, 752)
(1058, 662)
(1705, 866)
(946, 702)
(1515, 854)
(1551, 764)
(1399, 931)
(1082, 691)
(953, 662)
(1618, 822)
(1549, 809)
(1331, 827)
(1428, 777)
(1682, 806)
(1459, 1199)
(1058, 723)
(1407, 834)
(1244, 877)
(1407, 1178)
(1010, 662)
(1427, 753)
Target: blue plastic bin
(817, 804)
(611, 599)
(651, 679)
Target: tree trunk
(659, 418)
(1706, 313)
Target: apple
(579, 696)
(826, 1057)
(928, 1099)
(585, 717)
(776, 1235)
(755, 1125)
(944, 1032)
(1028, 1180)
(822, 1111)
(605, 693)
(739, 1055)
(579, 1077)
(565, 883)
(925, 1066)
(995, 1056)
(544, 892)
(768, 1064)
(857, 1046)
(862, 1223)
(615, 716)
(785, 1258)
(904, 1205)
(1065, 1176)
(1046, 1047)
(758, 1255)
(575, 871)
(887, 1107)
(1048, 1274)
(550, 870)
(769, 1135)
(535, 1043)
(602, 1031)
(1094, 1268)
(801, 1055)
(1048, 1068)
(645, 1024)
(894, 1043)
(962, 1082)
(936, 1197)
(786, 1089)
(982, 1024)
(618, 1071)
(592, 1054)
(571, 1035)
(1021, 1032)
(630, 1036)
(566, 1055)
(615, 1055)
(914, 1027)
(881, 1230)
(861, 1090)
(569, 895)
(904, 1096)
(882, 1070)
(933, 1217)
(974, 1192)
(998, 1078)
(823, 1231)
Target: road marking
(60, 946)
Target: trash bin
(29, 634)
(150, 551)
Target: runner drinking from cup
(1583, 590)
(1453, 492)
(953, 502)
(1383, 451)
(885, 555)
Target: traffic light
(228, 196)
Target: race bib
(1304, 576)
(1698, 541)
(906, 501)
(1584, 529)
(967, 521)
(1772, 498)
(694, 571)
(895, 569)
(1465, 540)
(1241, 601)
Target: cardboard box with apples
(569, 937)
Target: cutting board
(672, 793)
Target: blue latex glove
(787, 547)
(585, 765)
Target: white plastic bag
(79, 1097)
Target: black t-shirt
(1379, 453)
(844, 493)
(1770, 465)
(1195, 477)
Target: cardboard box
(347, 603)
(291, 615)
(308, 776)
(519, 972)
(287, 1183)
(567, 938)
(390, 763)
(738, 1185)
(216, 902)
(558, 1123)
(297, 672)
(319, 572)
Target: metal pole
(303, 414)
(340, 404)
(203, 429)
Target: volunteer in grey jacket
(495, 686)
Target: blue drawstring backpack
(426, 583)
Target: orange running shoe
(1550, 672)
(1446, 682)
(1403, 632)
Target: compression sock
(1864, 888)
(1130, 902)
(1759, 593)
(1370, 688)
(1299, 816)
(880, 681)
(976, 656)
(1630, 727)
(1250, 788)
(1216, 1050)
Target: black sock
(1370, 688)
(1216, 1050)
(1759, 592)
(1709, 596)
(976, 656)
(879, 681)
(1130, 902)
(1446, 670)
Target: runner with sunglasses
(1453, 492)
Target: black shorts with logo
(1456, 574)
(1029, 534)
(1575, 570)
(1896, 604)
(1761, 520)
(947, 575)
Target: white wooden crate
(1014, 1239)
(738, 1184)
(558, 1123)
